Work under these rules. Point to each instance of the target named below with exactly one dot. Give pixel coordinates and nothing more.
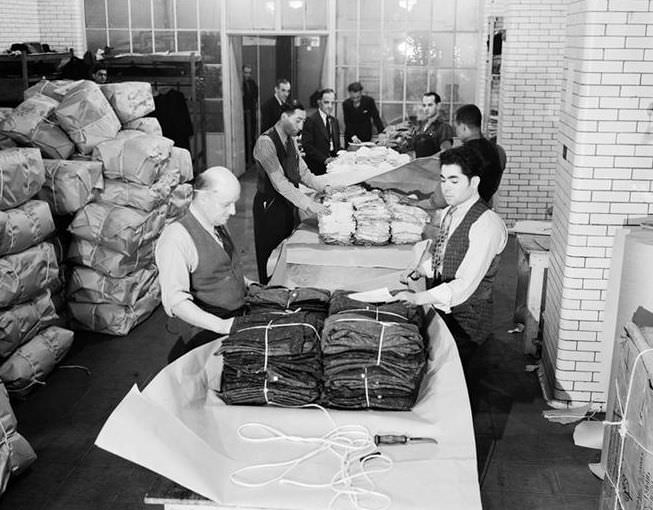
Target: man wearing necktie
(202, 283)
(321, 134)
(280, 170)
(460, 272)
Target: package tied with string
(70, 185)
(21, 176)
(628, 438)
(5, 141)
(56, 89)
(86, 116)
(24, 226)
(85, 285)
(139, 159)
(262, 298)
(272, 357)
(113, 318)
(181, 164)
(23, 321)
(32, 362)
(130, 99)
(138, 196)
(106, 260)
(148, 125)
(179, 201)
(16, 454)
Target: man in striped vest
(460, 272)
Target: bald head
(216, 192)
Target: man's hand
(317, 209)
(407, 297)
(328, 160)
(410, 274)
(355, 139)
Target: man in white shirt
(465, 260)
(321, 134)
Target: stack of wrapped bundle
(272, 358)
(16, 454)
(373, 358)
(261, 298)
(372, 220)
(367, 157)
(29, 273)
(5, 141)
(338, 226)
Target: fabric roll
(138, 196)
(21, 176)
(16, 454)
(25, 275)
(26, 116)
(85, 285)
(32, 362)
(86, 116)
(20, 323)
(148, 125)
(26, 225)
(121, 229)
(130, 99)
(138, 159)
(108, 261)
(115, 319)
(70, 185)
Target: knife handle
(390, 439)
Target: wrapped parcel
(26, 225)
(21, 175)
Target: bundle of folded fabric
(372, 221)
(338, 226)
(70, 185)
(408, 222)
(391, 312)
(275, 297)
(272, 357)
(370, 363)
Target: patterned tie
(438, 251)
(225, 238)
(329, 129)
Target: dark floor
(524, 461)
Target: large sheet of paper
(178, 428)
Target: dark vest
(475, 314)
(217, 284)
(289, 163)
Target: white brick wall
(606, 178)
(531, 77)
(19, 22)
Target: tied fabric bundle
(370, 363)
(392, 312)
(25, 275)
(261, 298)
(70, 185)
(179, 201)
(148, 125)
(130, 99)
(26, 225)
(138, 196)
(108, 261)
(272, 357)
(56, 89)
(20, 123)
(21, 176)
(85, 285)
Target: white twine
(367, 390)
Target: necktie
(225, 238)
(438, 252)
(329, 133)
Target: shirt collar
(323, 115)
(462, 208)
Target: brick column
(604, 176)
(531, 77)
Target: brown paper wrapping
(70, 185)
(32, 362)
(179, 201)
(87, 117)
(52, 140)
(130, 99)
(86, 285)
(107, 261)
(21, 322)
(138, 159)
(25, 275)
(16, 454)
(56, 89)
(138, 196)
(181, 163)
(21, 176)
(148, 125)
(25, 226)
(20, 124)
(114, 319)
(122, 229)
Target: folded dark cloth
(249, 362)
(407, 368)
(279, 297)
(397, 312)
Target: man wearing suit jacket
(271, 109)
(321, 134)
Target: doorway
(299, 58)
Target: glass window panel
(421, 15)
(187, 41)
(465, 86)
(96, 39)
(466, 50)
(118, 14)
(119, 41)
(163, 14)
(142, 41)
(186, 13)
(414, 111)
(412, 48)
(392, 113)
(141, 14)
(95, 14)
(213, 81)
(316, 15)
(346, 53)
(346, 14)
(238, 15)
(395, 14)
(214, 116)
(292, 14)
(210, 47)
(164, 40)
(467, 14)
(370, 18)
(370, 78)
(369, 45)
(395, 48)
(209, 14)
(416, 84)
(441, 49)
(393, 84)
(263, 13)
(444, 12)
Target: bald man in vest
(461, 270)
(202, 284)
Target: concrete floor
(524, 461)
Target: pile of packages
(358, 216)
(287, 351)
(116, 180)
(381, 158)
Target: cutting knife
(380, 439)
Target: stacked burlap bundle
(138, 196)
(131, 100)
(16, 454)
(85, 285)
(26, 225)
(21, 176)
(70, 185)
(5, 141)
(85, 253)
(179, 201)
(148, 125)
(87, 117)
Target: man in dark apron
(280, 169)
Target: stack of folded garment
(372, 220)
(407, 224)
(372, 358)
(395, 311)
(278, 298)
(272, 358)
(338, 226)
